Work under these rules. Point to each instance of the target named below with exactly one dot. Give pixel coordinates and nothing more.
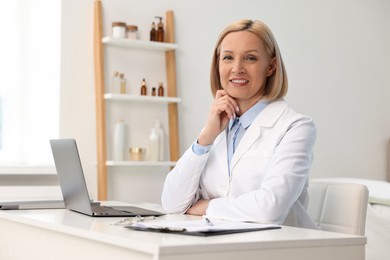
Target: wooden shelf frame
(171, 99)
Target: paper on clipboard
(200, 226)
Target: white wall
(336, 52)
(78, 115)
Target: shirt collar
(249, 116)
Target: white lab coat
(269, 172)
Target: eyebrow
(248, 51)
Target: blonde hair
(277, 84)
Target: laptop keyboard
(99, 210)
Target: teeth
(239, 81)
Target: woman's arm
(182, 183)
(199, 208)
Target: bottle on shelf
(114, 84)
(153, 32)
(144, 89)
(153, 148)
(160, 30)
(154, 91)
(160, 133)
(160, 90)
(122, 83)
(119, 141)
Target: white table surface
(295, 242)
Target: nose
(238, 67)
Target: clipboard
(200, 227)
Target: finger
(230, 105)
(225, 107)
(222, 94)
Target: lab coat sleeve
(283, 183)
(181, 187)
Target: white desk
(62, 234)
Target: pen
(208, 221)
(132, 220)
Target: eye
(250, 58)
(227, 57)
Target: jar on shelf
(119, 30)
(137, 154)
(132, 32)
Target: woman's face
(244, 67)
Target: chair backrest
(338, 207)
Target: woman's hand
(199, 208)
(222, 110)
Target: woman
(251, 160)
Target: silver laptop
(74, 188)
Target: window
(29, 81)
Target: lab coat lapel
(267, 118)
(253, 133)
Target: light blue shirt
(246, 120)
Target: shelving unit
(171, 99)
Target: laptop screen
(71, 176)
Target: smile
(239, 81)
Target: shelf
(140, 163)
(28, 169)
(139, 44)
(139, 98)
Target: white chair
(338, 207)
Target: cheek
(224, 69)
(262, 73)
(223, 73)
